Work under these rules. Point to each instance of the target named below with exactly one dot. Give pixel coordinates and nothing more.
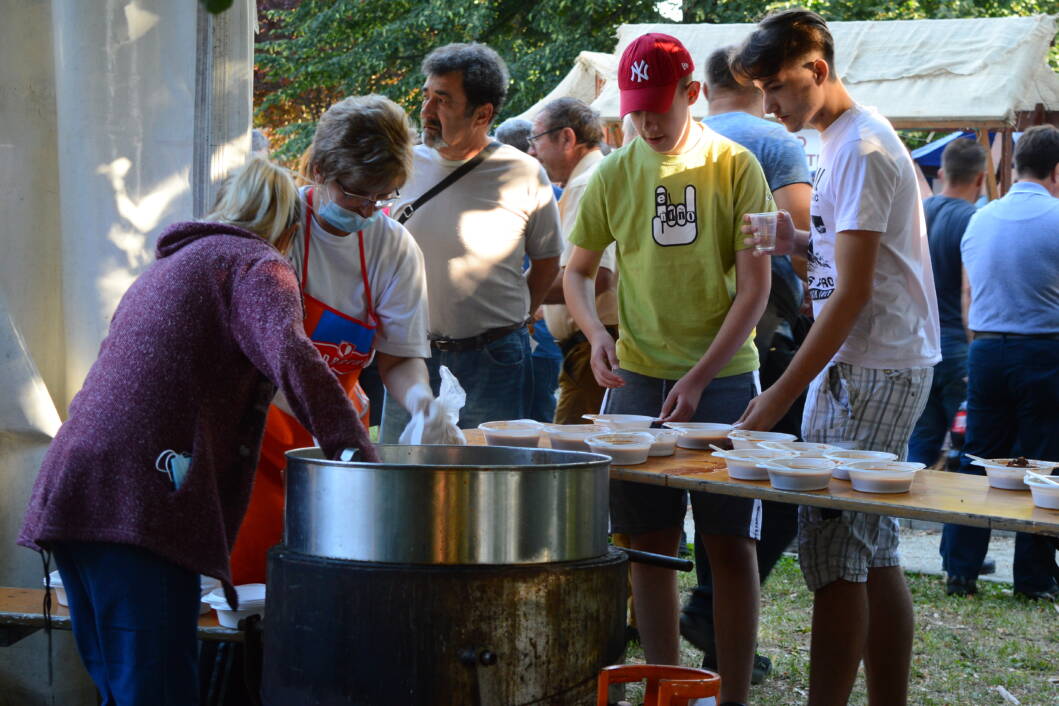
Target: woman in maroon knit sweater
(145, 485)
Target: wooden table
(938, 496)
(21, 614)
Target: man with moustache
(495, 207)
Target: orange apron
(346, 345)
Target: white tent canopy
(925, 73)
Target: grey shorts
(876, 410)
(637, 508)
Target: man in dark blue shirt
(962, 171)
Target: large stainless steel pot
(449, 505)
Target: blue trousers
(545, 383)
(498, 380)
(948, 390)
(134, 619)
(1013, 386)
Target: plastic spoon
(717, 448)
(1046, 479)
(979, 459)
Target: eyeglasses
(375, 200)
(533, 138)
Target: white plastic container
(748, 464)
(883, 476)
(1045, 494)
(749, 439)
(800, 448)
(800, 473)
(847, 456)
(699, 435)
(1010, 477)
(57, 585)
(665, 443)
(625, 448)
(251, 602)
(516, 432)
(207, 584)
(570, 437)
(620, 422)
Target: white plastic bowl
(620, 422)
(749, 439)
(570, 437)
(665, 443)
(57, 585)
(625, 448)
(800, 448)
(699, 435)
(207, 584)
(883, 476)
(251, 602)
(847, 456)
(1045, 494)
(1010, 477)
(516, 432)
(748, 464)
(800, 473)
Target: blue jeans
(948, 390)
(1011, 410)
(498, 380)
(134, 618)
(545, 383)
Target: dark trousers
(134, 618)
(1012, 409)
(545, 383)
(948, 390)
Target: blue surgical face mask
(343, 218)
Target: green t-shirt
(676, 220)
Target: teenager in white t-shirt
(867, 360)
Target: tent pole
(1005, 160)
(990, 167)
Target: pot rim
(592, 461)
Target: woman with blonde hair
(146, 483)
(364, 288)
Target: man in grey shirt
(1010, 254)
(474, 235)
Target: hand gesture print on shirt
(674, 224)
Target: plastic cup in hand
(763, 225)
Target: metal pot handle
(348, 454)
(660, 560)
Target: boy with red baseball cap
(673, 200)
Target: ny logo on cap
(639, 71)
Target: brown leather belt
(473, 343)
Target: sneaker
(988, 567)
(1050, 594)
(960, 586)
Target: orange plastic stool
(666, 685)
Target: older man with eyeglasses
(566, 139)
(477, 209)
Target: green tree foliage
(312, 53)
(315, 52)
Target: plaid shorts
(876, 410)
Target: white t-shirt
(475, 234)
(395, 274)
(866, 181)
(557, 316)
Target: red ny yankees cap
(649, 72)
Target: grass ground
(964, 648)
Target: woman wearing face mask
(364, 290)
(144, 486)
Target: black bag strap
(448, 181)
